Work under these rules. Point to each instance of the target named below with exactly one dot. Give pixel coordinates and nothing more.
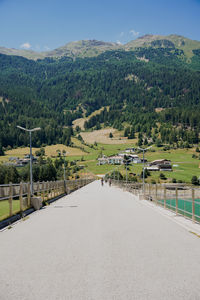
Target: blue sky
(47, 24)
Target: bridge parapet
(182, 199)
(16, 198)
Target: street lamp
(126, 162)
(31, 172)
(143, 162)
(64, 175)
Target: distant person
(102, 181)
(109, 181)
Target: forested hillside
(154, 90)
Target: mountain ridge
(91, 48)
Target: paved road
(99, 243)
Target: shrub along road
(99, 243)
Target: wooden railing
(16, 198)
(180, 198)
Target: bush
(180, 181)
(162, 176)
(153, 181)
(173, 180)
(115, 174)
(194, 180)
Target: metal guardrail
(15, 198)
(180, 198)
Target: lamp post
(31, 158)
(64, 175)
(143, 150)
(126, 162)
(64, 155)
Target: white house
(130, 150)
(115, 160)
(102, 160)
(135, 158)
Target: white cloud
(37, 47)
(26, 46)
(134, 33)
(118, 42)
(46, 48)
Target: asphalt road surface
(99, 243)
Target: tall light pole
(143, 150)
(31, 158)
(64, 154)
(64, 175)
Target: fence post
(156, 194)
(20, 196)
(51, 190)
(58, 189)
(176, 201)
(164, 196)
(64, 187)
(11, 200)
(38, 188)
(42, 191)
(29, 194)
(193, 207)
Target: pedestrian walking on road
(102, 181)
(109, 181)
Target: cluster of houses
(120, 159)
(21, 162)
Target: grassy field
(184, 166)
(50, 151)
(4, 208)
(102, 136)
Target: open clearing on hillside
(80, 122)
(70, 151)
(102, 136)
(49, 151)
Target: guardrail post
(193, 206)
(176, 201)
(11, 200)
(165, 197)
(20, 196)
